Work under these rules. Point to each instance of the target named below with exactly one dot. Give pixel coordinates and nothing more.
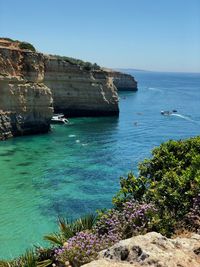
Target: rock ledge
(151, 249)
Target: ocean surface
(75, 169)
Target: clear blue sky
(159, 35)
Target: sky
(162, 35)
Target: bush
(88, 66)
(28, 46)
(83, 248)
(171, 179)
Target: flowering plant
(133, 218)
(111, 226)
(83, 248)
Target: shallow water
(75, 169)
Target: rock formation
(25, 101)
(28, 80)
(77, 92)
(151, 249)
(123, 81)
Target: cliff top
(15, 44)
(25, 46)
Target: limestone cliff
(25, 102)
(123, 81)
(153, 250)
(77, 92)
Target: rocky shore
(34, 85)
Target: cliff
(32, 84)
(123, 81)
(25, 101)
(78, 92)
(151, 249)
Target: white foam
(84, 144)
(155, 89)
(77, 141)
(184, 117)
(71, 135)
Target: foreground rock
(151, 249)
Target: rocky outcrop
(123, 81)
(151, 249)
(25, 101)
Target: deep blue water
(75, 170)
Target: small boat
(167, 112)
(59, 119)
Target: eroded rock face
(151, 249)
(25, 101)
(5, 125)
(123, 81)
(77, 92)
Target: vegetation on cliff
(171, 179)
(84, 64)
(19, 44)
(164, 197)
(28, 46)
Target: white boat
(59, 119)
(166, 112)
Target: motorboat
(59, 119)
(167, 112)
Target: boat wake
(185, 118)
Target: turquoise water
(74, 170)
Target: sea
(75, 169)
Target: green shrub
(88, 66)
(28, 46)
(171, 179)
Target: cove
(75, 170)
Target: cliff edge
(123, 81)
